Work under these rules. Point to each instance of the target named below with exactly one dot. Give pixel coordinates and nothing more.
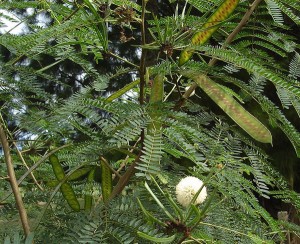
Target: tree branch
(13, 181)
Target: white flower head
(187, 189)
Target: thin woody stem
(122, 59)
(123, 181)
(13, 181)
(26, 166)
(123, 164)
(109, 166)
(143, 56)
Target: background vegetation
(98, 124)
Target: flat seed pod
(157, 89)
(156, 97)
(66, 189)
(79, 173)
(212, 24)
(70, 196)
(106, 181)
(123, 90)
(52, 183)
(233, 109)
(88, 199)
(57, 168)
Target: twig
(109, 166)
(228, 40)
(123, 181)
(142, 70)
(123, 164)
(26, 166)
(122, 59)
(143, 56)
(13, 181)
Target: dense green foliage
(96, 165)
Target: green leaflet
(212, 24)
(233, 109)
(150, 159)
(99, 25)
(66, 189)
(106, 181)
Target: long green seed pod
(66, 189)
(123, 90)
(157, 89)
(156, 97)
(106, 181)
(88, 198)
(57, 168)
(79, 173)
(233, 109)
(212, 24)
(69, 195)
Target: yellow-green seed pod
(156, 97)
(233, 109)
(88, 198)
(57, 168)
(52, 183)
(66, 189)
(157, 89)
(69, 195)
(106, 181)
(212, 24)
(77, 174)
(123, 90)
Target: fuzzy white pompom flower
(187, 189)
